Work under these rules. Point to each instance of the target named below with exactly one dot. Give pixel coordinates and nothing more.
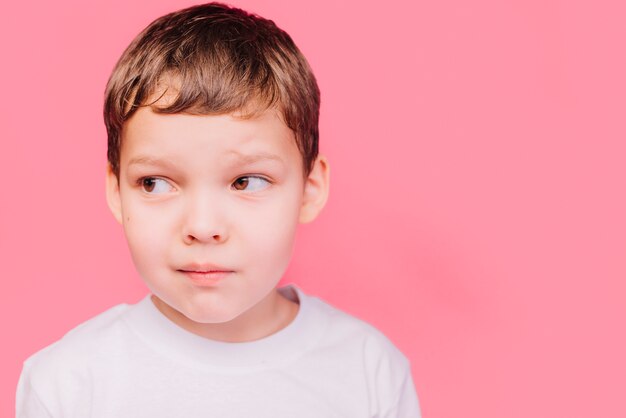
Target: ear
(113, 193)
(316, 190)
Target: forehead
(207, 139)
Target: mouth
(208, 277)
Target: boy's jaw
(244, 328)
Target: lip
(203, 267)
(210, 278)
(206, 274)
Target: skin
(206, 208)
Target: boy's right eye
(148, 184)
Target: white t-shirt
(132, 361)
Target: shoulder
(70, 355)
(355, 334)
(56, 380)
(374, 358)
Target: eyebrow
(148, 160)
(252, 158)
(241, 159)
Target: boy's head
(212, 120)
(215, 59)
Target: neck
(269, 316)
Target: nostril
(190, 238)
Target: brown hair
(224, 60)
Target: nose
(202, 220)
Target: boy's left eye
(258, 183)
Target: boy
(212, 122)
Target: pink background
(477, 203)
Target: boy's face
(193, 196)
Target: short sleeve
(407, 405)
(27, 403)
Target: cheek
(272, 233)
(144, 230)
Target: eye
(257, 183)
(148, 184)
